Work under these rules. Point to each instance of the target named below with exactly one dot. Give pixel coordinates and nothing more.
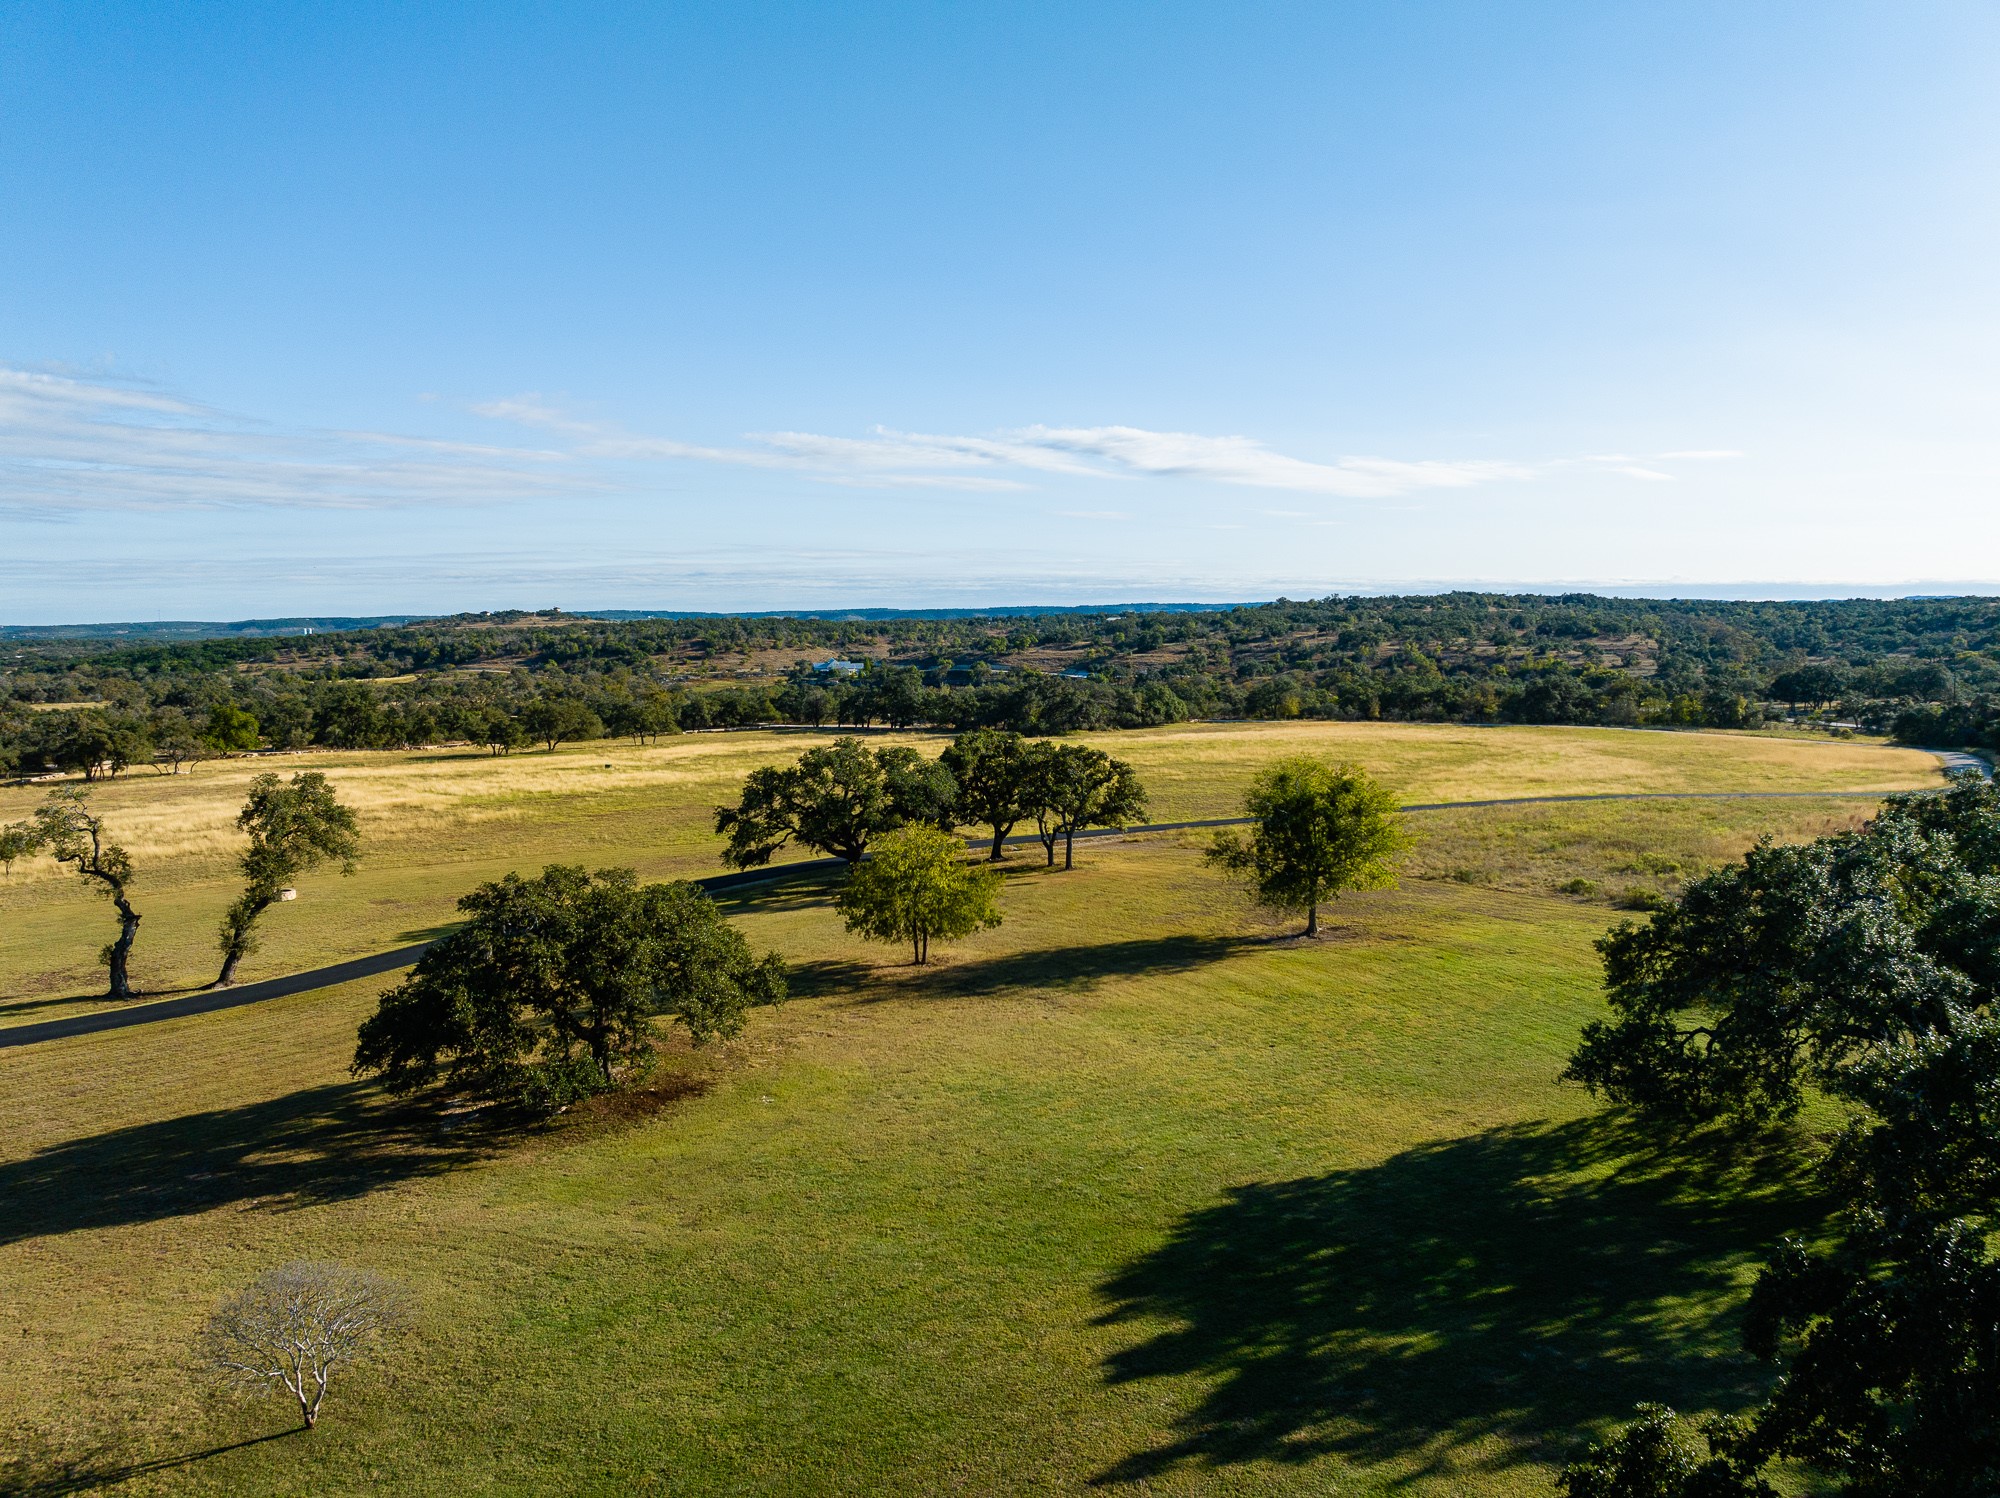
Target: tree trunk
(239, 944)
(1312, 919)
(1069, 848)
(121, 950)
(998, 838)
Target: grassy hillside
(1134, 1192)
(436, 823)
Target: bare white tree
(294, 1325)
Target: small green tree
(914, 886)
(1321, 828)
(293, 828)
(17, 840)
(550, 991)
(991, 766)
(834, 799)
(1068, 787)
(65, 826)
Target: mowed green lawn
(1132, 1193)
(435, 823)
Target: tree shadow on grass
(322, 1144)
(1049, 969)
(1524, 1283)
(31, 1474)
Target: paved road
(385, 962)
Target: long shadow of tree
(1525, 1283)
(318, 1145)
(1046, 969)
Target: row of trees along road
(293, 827)
(1863, 967)
(835, 798)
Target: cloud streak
(70, 445)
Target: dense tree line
(1928, 670)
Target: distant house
(839, 668)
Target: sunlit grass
(435, 823)
(1134, 1188)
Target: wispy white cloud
(69, 444)
(908, 459)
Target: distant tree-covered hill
(1926, 669)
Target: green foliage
(834, 799)
(1867, 965)
(552, 988)
(294, 827)
(1321, 828)
(558, 720)
(1658, 1456)
(229, 729)
(1068, 787)
(914, 886)
(992, 768)
(17, 840)
(1791, 966)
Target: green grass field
(1137, 1192)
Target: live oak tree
(292, 1327)
(1071, 787)
(294, 828)
(1322, 828)
(556, 720)
(551, 990)
(66, 828)
(915, 886)
(500, 732)
(992, 767)
(1867, 966)
(834, 799)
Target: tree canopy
(294, 827)
(65, 827)
(834, 799)
(1070, 787)
(915, 886)
(1798, 962)
(1321, 829)
(993, 768)
(1866, 965)
(551, 990)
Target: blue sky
(357, 309)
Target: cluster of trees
(1865, 966)
(1928, 668)
(836, 797)
(292, 827)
